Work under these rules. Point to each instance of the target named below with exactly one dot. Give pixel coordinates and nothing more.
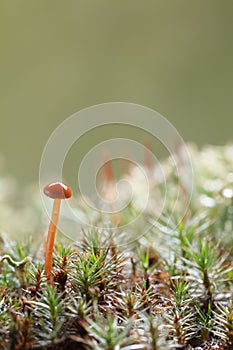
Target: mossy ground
(171, 288)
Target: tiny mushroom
(108, 170)
(56, 191)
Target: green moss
(170, 288)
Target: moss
(170, 288)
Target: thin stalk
(51, 238)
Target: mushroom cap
(57, 190)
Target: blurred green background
(57, 57)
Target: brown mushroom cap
(58, 190)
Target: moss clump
(168, 289)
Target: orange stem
(109, 177)
(50, 240)
(148, 156)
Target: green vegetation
(171, 288)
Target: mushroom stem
(51, 238)
(56, 191)
(108, 170)
(148, 160)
